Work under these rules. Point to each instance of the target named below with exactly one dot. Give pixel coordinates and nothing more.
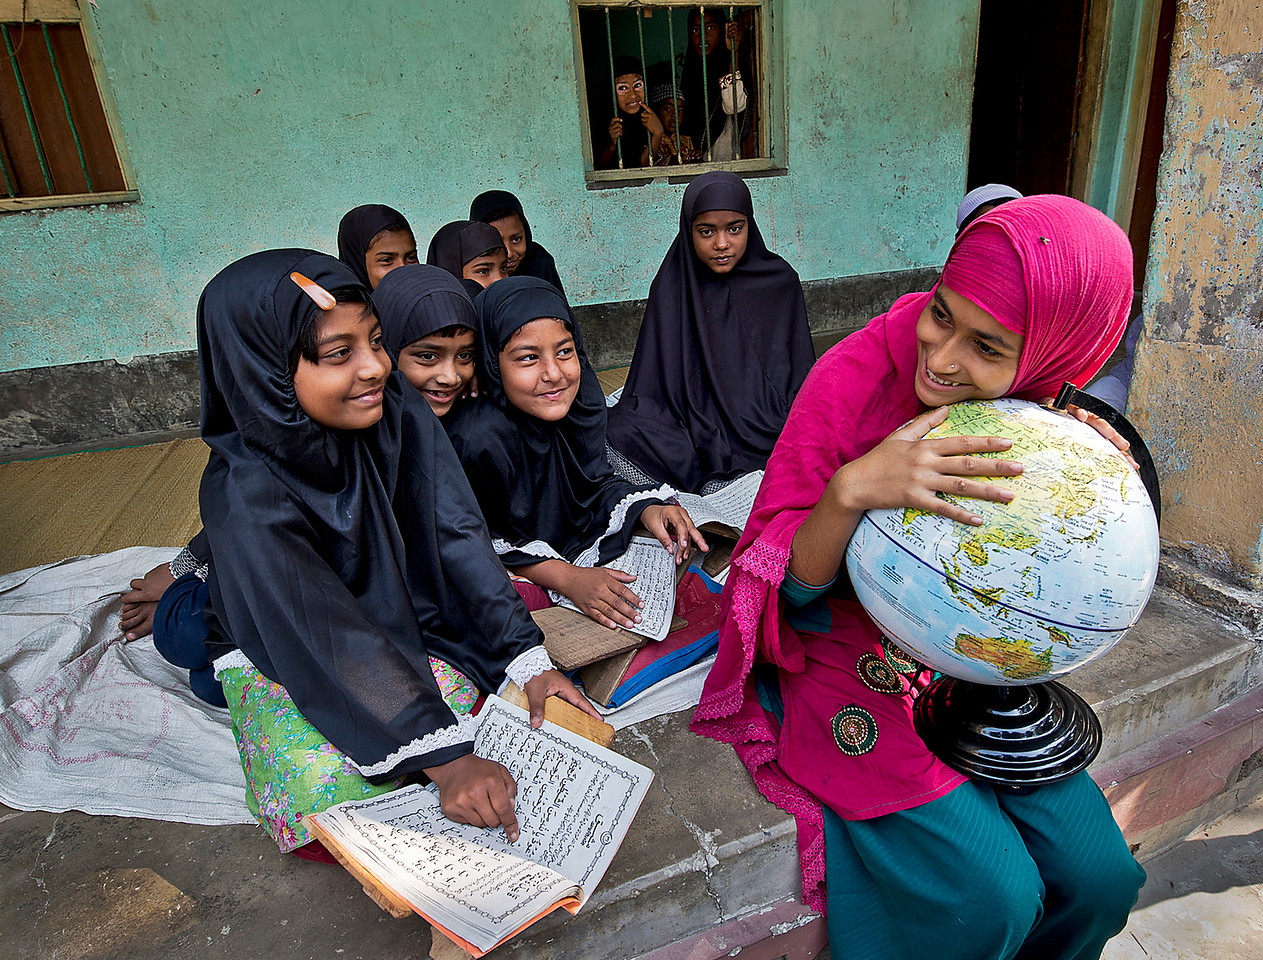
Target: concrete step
(1181, 662)
(711, 867)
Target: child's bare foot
(141, 601)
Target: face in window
(387, 250)
(719, 239)
(630, 90)
(963, 353)
(540, 368)
(671, 113)
(342, 388)
(487, 269)
(441, 368)
(513, 232)
(714, 30)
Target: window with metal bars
(57, 139)
(675, 85)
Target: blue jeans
(179, 634)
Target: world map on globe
(1047, 583)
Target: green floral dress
(291, 770)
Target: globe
(1048, 582)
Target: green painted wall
(259, 125)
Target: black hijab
(334, 570)
(460, 241)
(493, 205)
(356, 232)
(546, 489)
(719, 359)
(415, 300)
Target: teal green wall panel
(258, 125)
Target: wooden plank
(380, 894)
(86, 107)
(18, 143)
(55, 133)
(574, 639)
(602, 678)
(442, 948)
(564, 715)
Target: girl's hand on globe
(1102, 426)
(906, 470)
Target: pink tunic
(847, 738)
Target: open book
(574, 804)
(656, 574)
(725, 511)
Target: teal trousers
(981, 874)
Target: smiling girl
(428, 327)
(351, 620)
(374, 239)
(819, 705)
(469, 250)
(533, 447)
(722, 351)
(526, 255)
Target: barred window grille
(704, 71)
(57, 144)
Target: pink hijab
(1076, 267)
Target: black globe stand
(1022, 736)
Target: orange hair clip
(324, 299)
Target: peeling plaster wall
(1198, 388)
(251, 126)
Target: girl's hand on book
(905, 470)
(478, 792)
(604, 595)
(554, 683)
(673, 527)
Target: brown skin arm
(600, 593)
(140, 602)
(902, 471)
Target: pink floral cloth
(847, 738)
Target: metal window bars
(730, 37)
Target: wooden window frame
(770, 80)
(34, 12)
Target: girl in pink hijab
(904, 854)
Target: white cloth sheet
(91, 722)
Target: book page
(730, 506)
(575, 798)
(448, 872)
(574, 804)
(654, 569)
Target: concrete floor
(1203, 899)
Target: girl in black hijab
(373, 239)
(527, 258)
(635, 130)
(334, 575)
(428, 325)
(722, 351)
(470, 251)
(533, 448)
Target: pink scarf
(1077, 270)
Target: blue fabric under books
(697, 601)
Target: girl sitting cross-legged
(356, 605)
